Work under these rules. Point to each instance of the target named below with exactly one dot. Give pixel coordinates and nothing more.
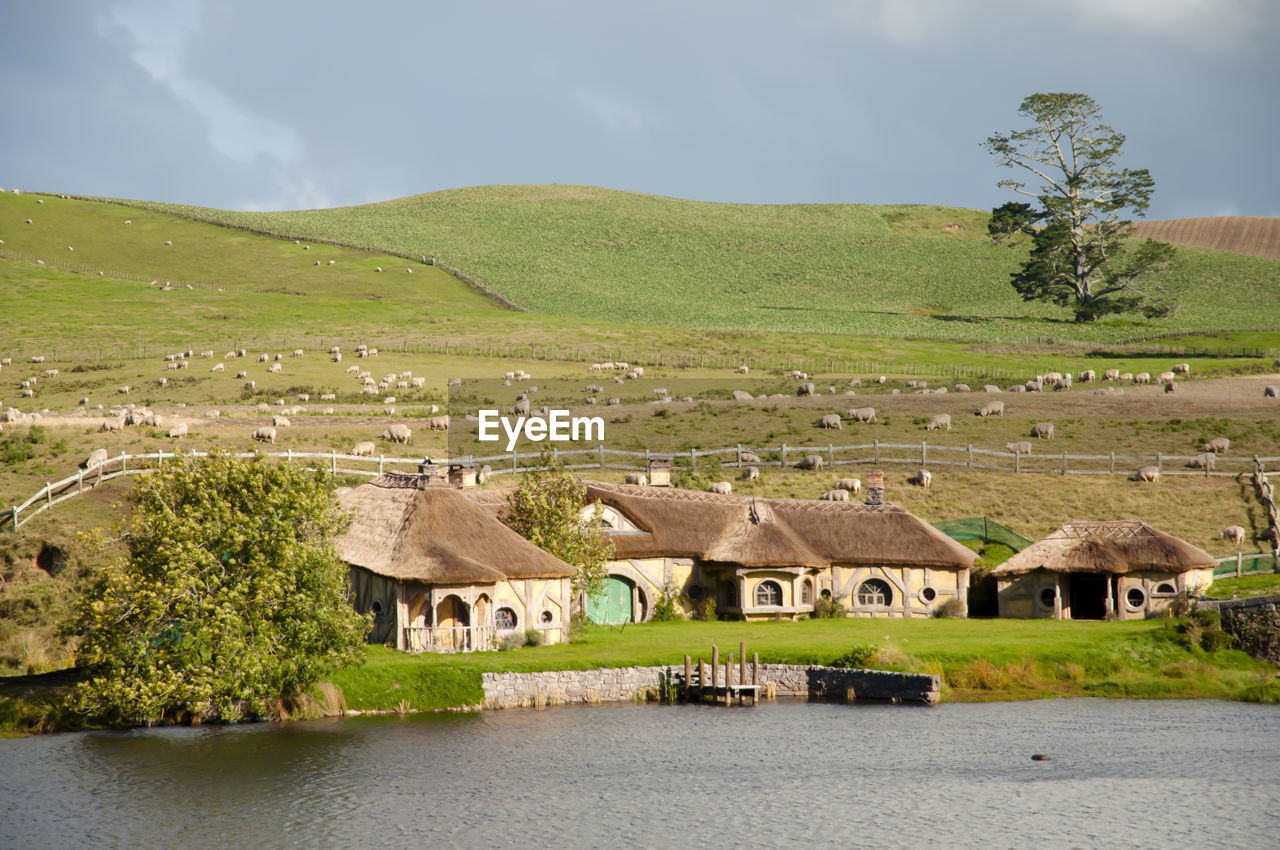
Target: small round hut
(1119, 569)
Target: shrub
(515, 640)
(664, 607)
(951, 609)
(709, 609)
(533, 637)
(859, 655)
(828, 608)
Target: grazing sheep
(298, 352)
(265, 434)
(1142, 378)
(521, 407)
(1169, 386)
(661, 392)
(742, 370)
(1204, 461)
(863, 414)
(724, 488)
(179, 430)
(991, 408)
(924, 478)
(941, 420)
(1020, 448)
(741, 395)
(1234, 533)
(242, 374)
(438, 423)
(962, 388)
(1165, 377)
(1063, 383)
(212, 414)
(112, 424)
(991, 388)
(217, 367)
(806, 388)
(337, 357)
(124, 390)
(1182, 369)
(274, 368)
(1111, 375)
(363, 449)
(1042, 430)
(751, 473)
(852, 485)
(96, 458)
(304, 396)
(397, 433)
(613, 402)
(1218, 445)
(264, 358)
(835, 496)
(1147, 473)
(250, 385)
(1127, 378)
(831, 420)
(1271, 391)
(811, 462)
(281, 421)
(748, 457)
(1033, 386)
(455, 382)
(636, 478)
(1088, 376)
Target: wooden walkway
(703, 685)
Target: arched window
(874, 593)
(504, 619)
(806, 592)
(768, 593)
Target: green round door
(613, 605)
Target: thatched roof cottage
(767, 558)
(439, 572)
(1121, 569)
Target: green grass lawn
(977, 659)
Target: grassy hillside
(825, 268)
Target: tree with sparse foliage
(546, 509)
(1082, 257)
(232, 600)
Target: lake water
(1121, 774)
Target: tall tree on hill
(1081, 257)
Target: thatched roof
(1116, 546)
(772, 532)
(405, 528)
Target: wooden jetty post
(755, 677)
(688, 673)
(715, 666)
(728, 679)
(702, 678)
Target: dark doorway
(1088, 594)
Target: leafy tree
(232, 598)
(546, 509)
(1010, 219)
(1080, 257)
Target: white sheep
(1147, 473)
(281, 421)
(924, 478)
(1234, 533)
(179, 430)
(751, 473)
(724, 488)
(835, 496)
(636, 478)
(265, 434)
(851, 485)
(363, 449)
(942, 420)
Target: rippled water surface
(1121, 774)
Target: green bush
(828, 608)
(857, 656)
(533, 637)
(664, 607)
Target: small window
(545, 617)
(504, 618)
(1166, 588)
(806, 593)
(874, 593)
(1047, 597)
(376, 607)
(1135, 599)
(826, 594)
(696, 592)
(928, 594)
(768, 593)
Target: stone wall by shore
(627, 684)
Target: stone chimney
(428, 468)
(659, 472)
(875, 487)
(462, 475)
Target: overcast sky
(289, 105)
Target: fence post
(1239, 563)
(1113, 464)
(924, 454)
(1158, 462)
(333, 461)
(877, 442)
(1017, 462)
(48, 494)
(831, 455)
(971, 455)
(124, 462)
(601, 447)
(1064, 463)
(380, 457)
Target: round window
(376, 607)
(826, 594)
(696, 592)
(545, 617)
(874, 593)
(928, 594)
(1135, 598)
(504, 618)
(1047, 597)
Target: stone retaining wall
(626, 684)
